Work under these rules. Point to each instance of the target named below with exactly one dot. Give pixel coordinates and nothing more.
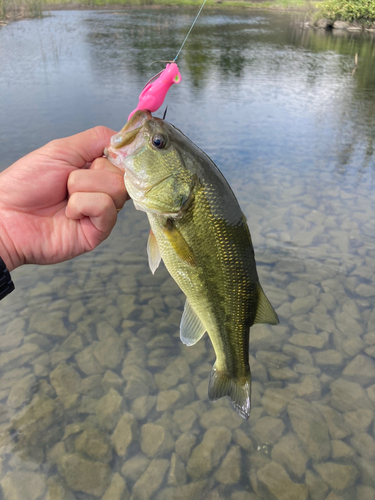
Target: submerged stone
(117, 490)
(288, 453)
(361, 370)
(150, 480)
(229, 471)
(23, 485)
(276, 481)
(124, 434)
(156, 441)
(338, 476)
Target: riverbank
(17, 9)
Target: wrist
(9, 258)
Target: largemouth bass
(200, 232)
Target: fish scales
(200, 232)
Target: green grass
(348, 10)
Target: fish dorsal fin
(191, 327)
(179, 243)
(265, 312)
(153, 252)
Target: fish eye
(159, 141)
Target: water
(99, 398)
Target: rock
(48, 324)
(19, 357)
(208, 453)
(347, 396)
(124, 434)
(307, 340)
(337, 427)
(311, 429)
(13, 335)
(185, 418)
(265, 338)
(176, 371)
(309, 388)
(348, 325)
(22, 391)
(359, 421)
(317, 488)
(23, 485)
(268, 430)
(142, 406)
(289, 454)
(108, 410)
(323, 24)
(139, 382)
(301, 355)
(117, 490)
(371, 393)
(244, 495)
(340, 25)
(303, 305)
(135, 467)
(229, 471)
(329, 358)
(94, 444)
(365, 493)
(341, 450)
(84, 475)
(364, 444)
(110, 352)
(353, 346)
(275, 400)
(221, 416)
(156, 441)
(111, 380)
(150, 480)
(243, 440)
(273, 359)
(57, 490)
(193, 491)
(65, 380)
(87, 362)
(92, 386)
(338, 476)
(167, 399)
(298, 289)
(177, 472)
(275, 480)
(283, 374)
(365, 290)
(360, 370)
(184, 445)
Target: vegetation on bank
(348, 10)
(12, 9)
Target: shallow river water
(98, 396)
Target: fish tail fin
(237, 389)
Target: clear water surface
(98, 396)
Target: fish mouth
(126, 142)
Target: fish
(199, 231)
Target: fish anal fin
(265, 312)
(191, 327)
(153, 252)
(179, 243)
(237, 389)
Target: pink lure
(153, 95)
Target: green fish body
(200, 232)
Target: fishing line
(191, 27)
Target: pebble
(94, 444)
(289, 454)
(135, 467)
(23, 485)
(364, 444)
(221, 416)
(347, 396)
(276, 481)
(177, 471)
(310, 428)
(317, 487)
(338, 476)
(341, 450)
(57, 490)
(84, 475)
(303, 305)
(229, 471)
(361, 370)
(208, 453)
(156, 440)
(268, 430)
(337, 427)
(110, 352)
(308, 340)
(359, 421)
(22, 391)
(117, 490)
(142, 406)
(330, 358)
(150, 480)
(108, 410)
(184, 445)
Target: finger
(99, 207)
(82, 148)
(104, 164)
(99, 181)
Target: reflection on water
(98, 397)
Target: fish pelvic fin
(265, 312)
(153, 252)
(238, 390)
(191, 328)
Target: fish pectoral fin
(191, 327)
(265, 312)
(179, 243)
(237, 389)
(153, 252)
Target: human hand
(59, 201)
